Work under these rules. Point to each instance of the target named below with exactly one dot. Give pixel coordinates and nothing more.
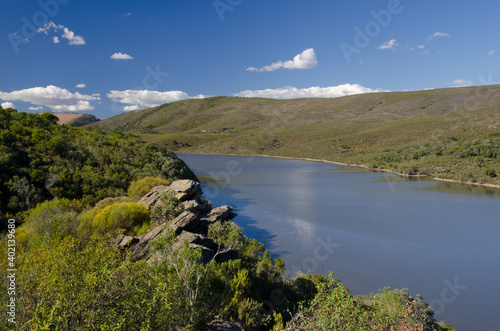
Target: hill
(451, 133)
(41, 160)
(75, 119)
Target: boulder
(128, 241)
(218, 214)
(153, 196)
(196, 205)
(141, 248)
(185, 220)
(221, 325)
(185, 189)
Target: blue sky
(110, 56)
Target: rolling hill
(451, 133)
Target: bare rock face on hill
(191, 225)
(75, 119)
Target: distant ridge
(75, 119)
(450, 133)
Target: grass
(415, 133)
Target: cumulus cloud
(131, 108)
(53, 97)
(72, 38)
(121, 56)
(6, 105)
(291, 92)
(81, 85)
(305, 60)
(490, 53)
(438, 35)
(146, 98)
(391, 44)
(460, 82)
(36, 108)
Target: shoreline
(356, 166)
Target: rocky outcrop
(190, 226)
(153, 197)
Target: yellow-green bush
(131, 217)
(139, 188)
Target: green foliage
(140, 187)
(170, 206)
(334, 308)
(49, 221)
(41, 160)
(130, 217)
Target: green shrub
(170, 206)
(48, 221)
(139, 188)
(131, 217)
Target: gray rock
(218, 214)
(207, 255)
(221, 325)
(128, 241)
(185, 220)
(153, 196)
(184, 189)
(142, 248)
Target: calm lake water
(373, 230)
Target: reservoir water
(372, 229)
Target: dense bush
(140, 187)
(41, 160)
(132, 218)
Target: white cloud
(146, 98)
(6, 105)
(67, 33)
(36, 108)
(81, 85)
(490, 53)
(53, 97)
(121, 56)
(73, 39)
(131, 108)
(391, 44)
(438, 35)
(305, 60)
(126, 14)
(291, 92)
(421, 46)
(460, 82)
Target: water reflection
(383, 229)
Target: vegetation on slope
(41, 160)
(70, 279)
(449, 133)
(71, 276)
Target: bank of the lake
(373, 229)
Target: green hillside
(41, 160)
(451, 133)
